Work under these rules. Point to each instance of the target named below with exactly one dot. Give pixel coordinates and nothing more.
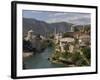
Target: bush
(87, 52)
(76, 56)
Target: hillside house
(67, 44)
(84, 40)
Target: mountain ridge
(44, 28)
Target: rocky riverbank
(27, 54)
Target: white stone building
(84, 39)
(67, 42)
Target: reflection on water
(40, 60)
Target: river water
(40, 60)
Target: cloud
(76, 18)
(51, 16)
(38, 12)
(59, 14)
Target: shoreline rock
(27, 54)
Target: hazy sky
(51, 17)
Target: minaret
(55, 33)
(72, 28)
(84, 28)
(55, 36)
